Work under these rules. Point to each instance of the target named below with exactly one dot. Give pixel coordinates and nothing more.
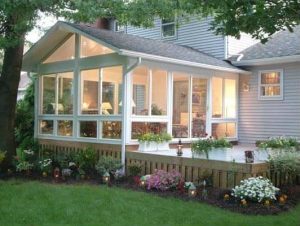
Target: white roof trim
(176, 61)
(266, 61)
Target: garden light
(56, 173)
(192, 191)
(143, 181)
(106, 177)
(226, 197)
(179, 148)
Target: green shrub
(2, 156)
(86, 160)
(134, 170)
(286, 163)
(24, 121)
(108, 164)
(158, 138)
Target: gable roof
(122, 43)
(284, 44)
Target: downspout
(124, 110)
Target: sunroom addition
(104, 87)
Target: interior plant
(108, 164)
(155, 110)
(257, 189)
(202, 147)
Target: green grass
(37, 204)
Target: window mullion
(150, 92)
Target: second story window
(168, 28)
(271, 85)
(119, 27)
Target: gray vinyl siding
(194, 33)
(260, 119)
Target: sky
(43, 23)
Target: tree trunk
(9, 82)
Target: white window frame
(118, 27)
(278, 97)
(167, 24)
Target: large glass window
(57, 94)
(159, 92)
(224, 130)
(140, 128)
(89, 91)
(270, 84)
(65, 93)
(65, 52)
(111, 129)
(140, 91)
(48, 94)
(180, 126)
(199, 98)
(112, 90)
(89, 48)
(223, 98)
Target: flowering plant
(24, 166)
(281, 142)
(255, 189)
(162, 180)
(45, 165)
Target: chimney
(102, 23)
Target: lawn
(37, 204)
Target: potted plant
(163, 140)
(276, 145)
(201, 148)
(147, 142)
(221, 149)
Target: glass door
(198, 107)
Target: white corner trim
(266, 61)
(182, 62)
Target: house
(23, 85)
(105, 88)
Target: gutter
(176, 61)
(266, 61)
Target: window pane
(217, 97)
(89, 91)
(199, 99)
(65, 93)
(168, 30)
(221, 130)
(180, 106)
(65, 52)
(48, 95)
(112, 90)
(270, 91)
(270, 78)
(230, 98)
(159, 92)
(88, 129)
(65, 128)
(46, 126)
(111, 130)
(89, 48)
(140, 91)
(140, 128)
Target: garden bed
(215, 196)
